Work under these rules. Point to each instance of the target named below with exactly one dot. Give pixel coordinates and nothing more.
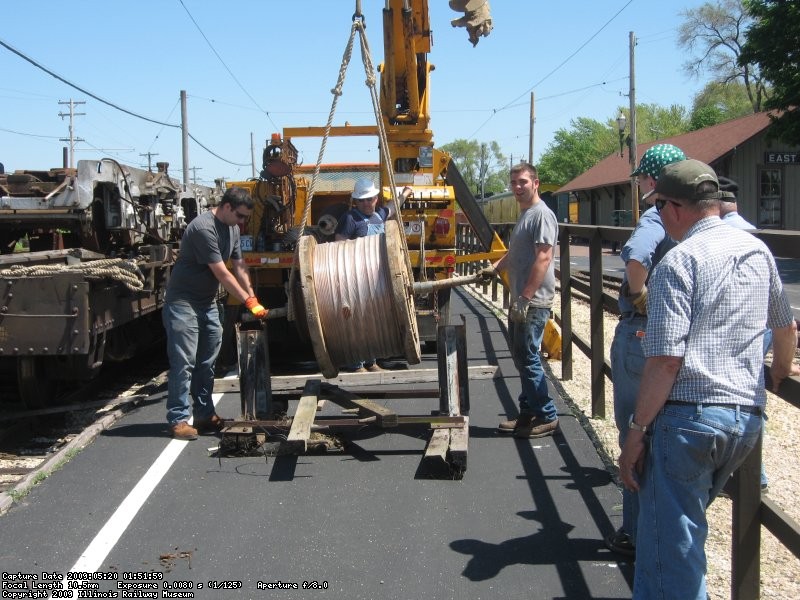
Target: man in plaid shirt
(699, 409)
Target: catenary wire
(111, 104)
(554, 70)
(239, 83)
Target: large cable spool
(358, 299)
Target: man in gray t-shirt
(529, 265)
(191, 316)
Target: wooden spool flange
(399, 334)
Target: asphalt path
(526, 521)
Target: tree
(773, 42)
(718, 102)
(713, 34)
(575, 150)
(654, 122)
(587, 142)
(482, 165)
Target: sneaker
(360, 370)
(376, 368)
(620, 542)
(212, 424)
(537, 428)
(183, 431)
(510, 426)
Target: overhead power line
(47, 137)
(570, 57)
(554, 70)
(214, 50)
(111, 104)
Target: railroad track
(611, 285)
(34, 442)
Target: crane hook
(358, 15)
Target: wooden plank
(386, 416)
(404, 377)
(459, 444)
(396, 394)
(304, 417)
(463, 368)
(448, 371)
(437, 446)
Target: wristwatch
(634, 425)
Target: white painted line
(92, 558)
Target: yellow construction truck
(293, 200)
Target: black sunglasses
(662, 202)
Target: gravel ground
(780, 578)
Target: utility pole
(71, 139)
(483, 168)
(253, 154)
(185, 138)
(194, 173)
(530, 138)
(632, 147)
(149, 156)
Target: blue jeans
(692, 451)
(194, 337)
(524, 341)
(627, 365)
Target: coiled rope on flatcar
(115, 269)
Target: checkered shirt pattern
(709, 300)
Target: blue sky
(278, 60)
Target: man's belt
(755, 410)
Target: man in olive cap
(647, 244)
(700, 404)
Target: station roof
(707, 145)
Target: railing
(749, 509)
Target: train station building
(767, 171)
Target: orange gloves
(254, 306)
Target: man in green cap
(701, 400)
(647, 244)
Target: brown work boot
(212, 424)
(510, 426)
(375, 368)
(537, 428)
(183, 431)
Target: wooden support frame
(446, 452)
(448, 447)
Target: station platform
(527, 519)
